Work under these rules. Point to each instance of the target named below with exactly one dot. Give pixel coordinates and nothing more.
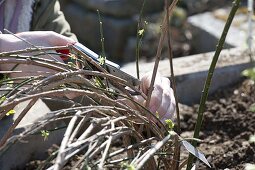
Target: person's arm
(47, 16)
(9, 42)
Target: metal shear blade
(111, 67)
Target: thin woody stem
(29, 50)
(207, 84)
(176, 158)
(160, 46)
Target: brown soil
(228, 124)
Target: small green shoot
(2, 99)
(141, 32)
(250, 73)
(170, 124)
(127, 166)
(11, 112)
(71, 64)
(140, 35)
(101, 60)
(102, 57)
(99, 83)
(73, 57)
(45, 134)
(157, 114)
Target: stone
(34, 146)
(191, 72)
(122, 8)
(208, 27)
(85, 25)
(199, 6)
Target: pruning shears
(110, 66)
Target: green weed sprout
(2, 99)
(45, 134)
(128, 166)
(101, 60)
(141, 32)
(250, 73)
(170, 124)
(11, 112)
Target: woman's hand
(9, 42)
(162, 99)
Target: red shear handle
(66, 51)
(65, 57)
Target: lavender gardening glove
(9, 42)
(162, 99)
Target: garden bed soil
(227, 126)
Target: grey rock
(122, 8)
(33, 147)
(85, 25)
(207, 28)
(191, 72)
(198, 6)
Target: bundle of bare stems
(105, 132)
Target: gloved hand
(162, 98)
(9, 42)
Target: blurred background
(188, 26)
